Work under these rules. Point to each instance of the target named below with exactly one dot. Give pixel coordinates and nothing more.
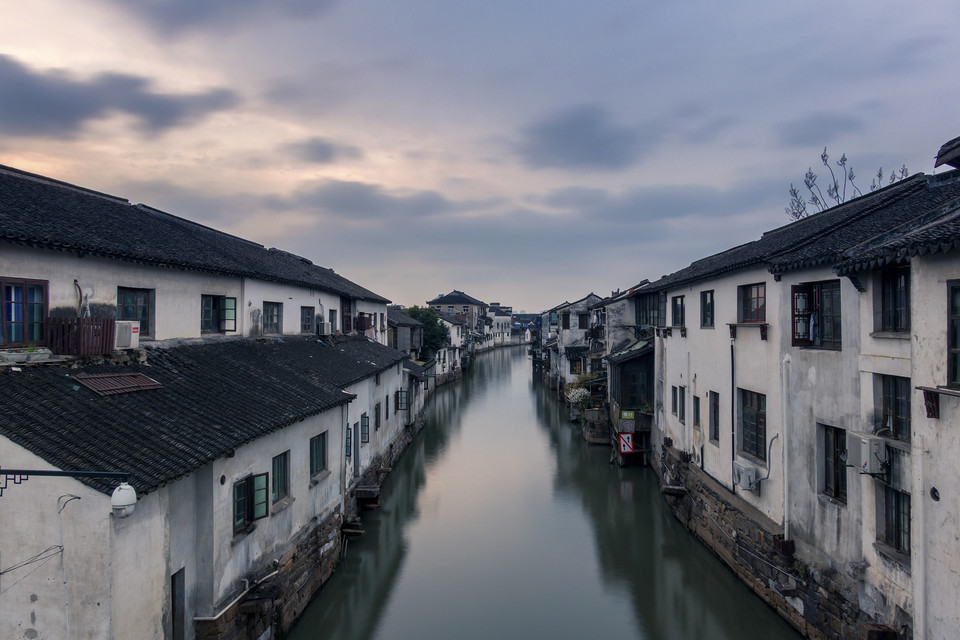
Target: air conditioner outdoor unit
(746, 476)
(127, 334)
(324, 328)
(867, 453)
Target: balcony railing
(80, 336)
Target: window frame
(895, 403)
(583, 321)
(400, 400)
(245, 494)
(752, 303)
(894, 527)
(895, 298)
(280, 476)
(29, 327)
(706, 308)
(682, 405)
(364, 428)
(953, 334)
(144, 299)
(348, 443)
(221, 312)
(271, 309)
(673, 399)
(307, 315)
(318, 454)
(834, 448)
(677, 311)
(565, 320)
(714, 402)
(377, 413)
(815, 306)
(753, 423)
(696, 410)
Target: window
(752, 303)
(136, 304)
(281, 476)
(376, 417)
(348, 442)
(652, 309)
(333, 319)
(449, 308)
(583, 320)
(753, 423)
(306, 319)
(896, 519)
(249, 501)
(218, 314)
(706, 308)
(895, 298)
(466, 308)
(364, 428)
(565, 320)
(815, 313)
(272, 317)
(953, 332)
(682, 405)
(576, 366)
(696, 410)
(673, 400)
(894, 410)
(677, 311)
(400, 400)
(386, 407)
(318, 453)
(834, 466)
(24, 311)
(714, 399)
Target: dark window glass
(24, 311)
(272, 317)
(895, 406)
(134, 304)
(714, 415)
(318, 453)
(834, 466)
(364, 428)
(815, 312)
(306, 319)
(753, 303)
(218, 314)
(678, 311)
(895, 301)
(896, 511)
(281, 476)
(706, 308)
(753, 423)
(953, 356)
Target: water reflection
(499, 521)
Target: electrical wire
(40, 557)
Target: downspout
(733, 417)
(344, 417)
(919, 553)
(785, 402)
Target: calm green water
(500, 522)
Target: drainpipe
(785, 402)
(343, 460)
(919, 552)
(733, 417)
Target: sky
(527, 153)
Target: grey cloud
(582, 137)
(819, 129)
(360, 200)
(54, 104)
(174, 16)
(322, 151)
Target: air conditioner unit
(127, 334)
(746, 476)
(324, 328)
(873, 455)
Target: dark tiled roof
(456, 297)
(45, 213)
(397, 317)
(949, 154)
(817, 239)
(215, 397)
(932, 225)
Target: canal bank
(500, 521)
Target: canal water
(499, 522)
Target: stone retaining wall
(819, 604)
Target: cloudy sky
(524, 152)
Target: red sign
(626, 442)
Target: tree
(436, 335)
(837, 192)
